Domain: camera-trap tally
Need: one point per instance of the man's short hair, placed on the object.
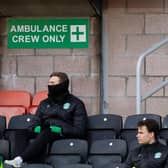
(151, 125)
(62, 76)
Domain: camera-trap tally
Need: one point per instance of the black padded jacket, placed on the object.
(148, 156)
(70, 115)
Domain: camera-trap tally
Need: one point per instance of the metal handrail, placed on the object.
(139, 98)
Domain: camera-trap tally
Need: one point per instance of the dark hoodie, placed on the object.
(64, 110)
(148, 156)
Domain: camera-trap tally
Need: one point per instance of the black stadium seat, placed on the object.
(27, 122)
(132, 120)
(2, 125)
(19, 132)
(2, 122)
(4, 148)
(163, 133)
(67, 151)
(129, 131)
(115, 165)
(103, 126)
(77, 166)
(129, 135)
(4, 144)
(165, 122)
(37, 166)
(104, 153)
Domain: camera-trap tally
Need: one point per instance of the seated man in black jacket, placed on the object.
(62, 115)
(150, 153)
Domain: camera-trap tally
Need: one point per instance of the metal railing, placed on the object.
(139, 97)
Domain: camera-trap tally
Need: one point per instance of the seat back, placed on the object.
(76, 166)
(129, 131)
(4, 148)
(132, 120)
(10, 111)
(27, 121)
(32, 110)
(38, 97)
(15, 98)
(163, 134)
(105, 152)
(36, 165)
(129, 135)
(103, 126)
(165, 122)
(2, 126)
(4, 144)
(116, 165)
(20, 131)
(68, 151)
(2, 122)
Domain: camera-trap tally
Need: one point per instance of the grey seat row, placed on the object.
(76, 153)
(102, 128)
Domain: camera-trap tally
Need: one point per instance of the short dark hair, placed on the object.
(151, 125)
(63, 76)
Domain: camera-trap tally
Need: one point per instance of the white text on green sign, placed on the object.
(48, 33)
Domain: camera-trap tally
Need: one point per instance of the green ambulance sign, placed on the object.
(48, 33)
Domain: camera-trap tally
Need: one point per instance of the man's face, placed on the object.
(144, 136)
(54, 80)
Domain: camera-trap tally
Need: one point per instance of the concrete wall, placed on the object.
(28, 69)
(133, 27)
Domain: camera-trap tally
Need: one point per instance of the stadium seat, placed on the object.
(15, 98)
(4, 148)
(163, 133)
(2, 126)
(9, 111)
(103, 126)
(27, 122)
(132, 120)
(77, 166)
(103, 153)
(129, 135)
(20, 131)
(31, 165)
(165, 122)
(2, 123)
(67, 151)
(37, 98)
(4, 144)
(14, 102)
(129, 131)
(115, 165)
(32, 110)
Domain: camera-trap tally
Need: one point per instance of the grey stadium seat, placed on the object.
(132, 120)
(77, 166)
(4, 144)
(19, 132)
(104, 126)
(104, 153)
(67, 151)
(129, 131)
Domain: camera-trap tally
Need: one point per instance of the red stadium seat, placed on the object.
(15, 98)
(9, 111)
(38, 97)
(32, 110)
